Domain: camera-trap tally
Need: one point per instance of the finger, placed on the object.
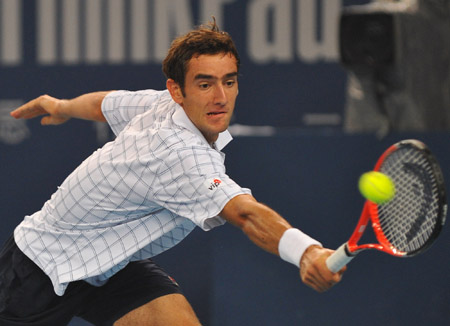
(42, 105)
(311, 279)
(337, 277)
(320, 286)
(330, 279)
(47, 120)
(319, 283)
(313, 284)
(27, 111)
(52, 120)
(19, 112)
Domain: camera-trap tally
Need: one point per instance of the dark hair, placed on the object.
(206, 39)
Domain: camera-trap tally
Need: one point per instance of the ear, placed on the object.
(175, 91)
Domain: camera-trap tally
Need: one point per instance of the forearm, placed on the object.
(273, 233)
(87, 107)
(56, 111)
(261, 224)
(267, 229)
(264, 227)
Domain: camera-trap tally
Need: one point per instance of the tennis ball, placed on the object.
(376, 187)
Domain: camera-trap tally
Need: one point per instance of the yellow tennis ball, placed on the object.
(376, 187)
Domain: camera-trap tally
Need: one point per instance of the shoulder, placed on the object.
(136, 98)
(182, 152)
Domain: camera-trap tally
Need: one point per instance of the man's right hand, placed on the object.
(314, 271)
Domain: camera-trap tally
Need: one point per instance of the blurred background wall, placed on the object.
(317, 105)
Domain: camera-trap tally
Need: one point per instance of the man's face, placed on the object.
(210, 92)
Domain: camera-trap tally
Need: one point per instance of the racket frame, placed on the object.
(351, 248)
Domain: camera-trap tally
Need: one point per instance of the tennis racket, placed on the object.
(409, 223)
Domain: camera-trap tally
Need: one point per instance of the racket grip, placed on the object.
(339, 259)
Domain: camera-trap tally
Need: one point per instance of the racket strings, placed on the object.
(409, 220)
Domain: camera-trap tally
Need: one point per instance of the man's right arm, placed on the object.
(266, 228)
(57, 111)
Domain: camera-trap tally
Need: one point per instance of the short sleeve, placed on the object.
(196, 187)
(201, 198)
(120, 107)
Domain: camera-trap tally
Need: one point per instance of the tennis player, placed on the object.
(88, 251)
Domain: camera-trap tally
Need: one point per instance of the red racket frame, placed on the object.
(370, 213)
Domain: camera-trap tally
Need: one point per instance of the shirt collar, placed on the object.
(180, 118)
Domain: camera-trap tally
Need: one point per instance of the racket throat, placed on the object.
(349, 253)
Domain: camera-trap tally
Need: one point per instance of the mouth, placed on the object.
(215, 113)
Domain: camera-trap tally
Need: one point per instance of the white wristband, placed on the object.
(293, 244)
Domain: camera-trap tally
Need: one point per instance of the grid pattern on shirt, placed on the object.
(133, 198)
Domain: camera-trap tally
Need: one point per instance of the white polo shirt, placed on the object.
(134, 198)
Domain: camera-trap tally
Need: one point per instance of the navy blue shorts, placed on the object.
(27, 296)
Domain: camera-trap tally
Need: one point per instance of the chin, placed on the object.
(223, 129)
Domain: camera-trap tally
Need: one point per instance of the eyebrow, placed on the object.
(204, 76)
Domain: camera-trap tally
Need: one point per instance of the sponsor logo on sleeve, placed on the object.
(213, 184)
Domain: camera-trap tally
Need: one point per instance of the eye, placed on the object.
(230, 83)
(203, 85)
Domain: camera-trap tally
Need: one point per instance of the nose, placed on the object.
(220, 96)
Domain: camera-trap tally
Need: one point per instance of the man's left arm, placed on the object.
(57, 111)
(266, 228)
